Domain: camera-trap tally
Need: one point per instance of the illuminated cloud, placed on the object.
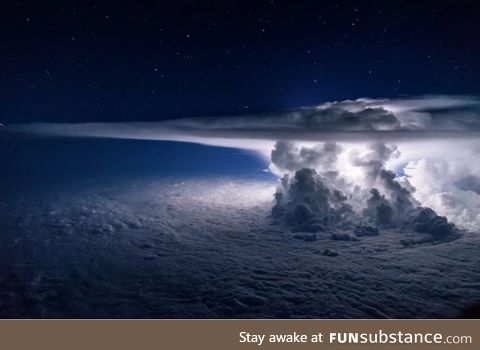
(316, 197)
(425, 117)
(386, 155)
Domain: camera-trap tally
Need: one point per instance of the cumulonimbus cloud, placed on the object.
(420, 136)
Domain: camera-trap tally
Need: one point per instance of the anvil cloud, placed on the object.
(350, 120)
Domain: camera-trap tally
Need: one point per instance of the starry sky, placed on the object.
(77, 61)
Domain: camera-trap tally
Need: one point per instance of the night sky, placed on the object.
(76, 61)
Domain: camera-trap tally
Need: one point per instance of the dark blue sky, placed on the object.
(123, 61)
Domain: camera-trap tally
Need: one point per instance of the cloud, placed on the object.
(286, 155)
(373, 161)
(431, 117)
(448, 187)
(309, 202)
(469, 183)
(320, 199)
(397, 147)
(427, 117)
(217, 255)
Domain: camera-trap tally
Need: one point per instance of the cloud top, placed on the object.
(356, 120)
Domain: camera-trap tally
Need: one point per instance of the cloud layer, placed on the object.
(171, 249)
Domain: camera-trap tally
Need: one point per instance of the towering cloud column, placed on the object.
(315, 196)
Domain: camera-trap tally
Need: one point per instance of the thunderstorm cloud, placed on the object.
(361, 164)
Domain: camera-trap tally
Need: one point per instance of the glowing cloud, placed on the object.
(418, 151)
(351, 120)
